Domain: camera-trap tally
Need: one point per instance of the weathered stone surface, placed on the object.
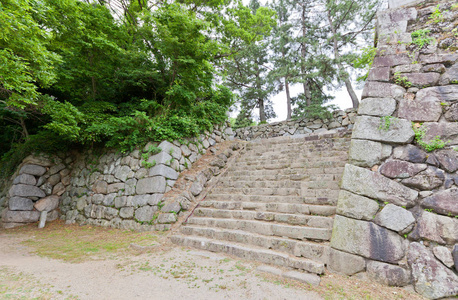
(126, 212)
(366, 239)
(139, 200)
(448, 58)
(446, 132)
(56, 168)
(161, 158)
(100, 187)
(32, 170)
(25, 179)
(9, 216)
(439, 93)
(423, 79)
(54, 179)
(356, 206)
(443, 202)
(307, 278)
(345, 263)
(410, 153)
(164, 171)
(185, 150)
(395, 218)
(170, 149)
(196, 188)
(368, 153)
(448, 160)
(23, 190)
(382, 90)
(379, 74)
(151, 185)
(122, 173)
(425, 109)
(391, 60)
(444, 255)
(431, 279)
(410, 68)
(167, 218)
(47, 204)
(455, 256)
(110, 212)
(401, 169)
(438, 68)
(58, 189)
(436, 228)
(368, 128)
(451, 76)
(429, 179)
(377, 107)
(145, 213)
(388, 274)
(18, 203)
(451, 114)
(399, 3)
(173, 206)
(373, 185)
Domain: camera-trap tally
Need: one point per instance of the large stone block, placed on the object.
(447, 58)
(395, 218)
(23, 190)
(420, 109)
(18, 203)
(165, 171)
(122, 173)
(368, 153)
(439, 93)
(32, 170)
(448, 160)
(443, 202)
(162, 158)
(367, 239)
(377, 107)
(423, 79)
(410, 153)
(370, 128)
(345, 263)
(151, 185)
(401, 169)
(399, 3)
(171, 149)
(446, 132)
(436, 228)
(145, 213)
(388, 274)
(391, 60)
(382, 90)
(25, 179)
(47, 204)
(431, 279)
(426, 180)
(444, 255)
(356, 206)
(379, 74)
(374, 185)
(20, 216)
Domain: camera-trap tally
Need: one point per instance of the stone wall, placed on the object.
(340, 120)
(105, 187)
(397, 214)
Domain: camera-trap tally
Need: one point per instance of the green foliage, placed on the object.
(315, 111)
(364, 61)
(437, 16)
(386, 122)
(434, 144)
(420, 37)
(401, 80)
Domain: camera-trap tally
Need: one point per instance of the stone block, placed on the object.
(439, 93)
(455, 256)
(377, 107)
(47, 204)
(151, 185)
(162, 158)
(436, 228)
(448, 160)
(431, 279)
(443, 202)
(379, 74)
(356, 206)
(145, 213)
(308, 278)
(167, 218)
(387, 274)
(450, 76)
(447, 58)
(58, 189)
(399, 3)
(54, 179)
(382, 90)
(165, 171)
(369, 128)
(426, 180)
(401, 169)
(420, 109)
(366, 239)
(446, 132)
(171, 149)
(410, 153)
(451, 114)
(444, 255)
(32, 170)
(365, 153)
(345, 263)
(19, 203)
(391, 60)
(56, 168)
(423, 79)
(395, 218)
(122, 173)
(374, 185)
(269, 270)
(126, 212)
(9, 216)
(25, 179)
(23, 190)
(173, 206)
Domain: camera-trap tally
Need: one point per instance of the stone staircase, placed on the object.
(275, 204)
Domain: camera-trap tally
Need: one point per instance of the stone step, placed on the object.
(258, 191)
(291, 219)
(266, 228)
(327, 180)
(244, 171)
(293, 164)
(291, 155)
(299, 148)
(228, 177)
(315, 197)
(287, 208)
(282, 141)
(318, 252)
(250, 253)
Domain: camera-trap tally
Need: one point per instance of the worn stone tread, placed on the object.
(312, 199)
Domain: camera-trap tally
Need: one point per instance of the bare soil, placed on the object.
(83, 262)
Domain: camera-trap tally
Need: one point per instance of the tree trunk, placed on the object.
(348, 85)
(262, 113)
(288, 99)
(307, 94)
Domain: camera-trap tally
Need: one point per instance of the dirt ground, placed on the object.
(82, 262)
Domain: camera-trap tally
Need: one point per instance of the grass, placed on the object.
(74, 243)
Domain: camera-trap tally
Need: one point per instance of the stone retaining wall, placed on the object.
(107, 188)
(397, 214)
(340, 120)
